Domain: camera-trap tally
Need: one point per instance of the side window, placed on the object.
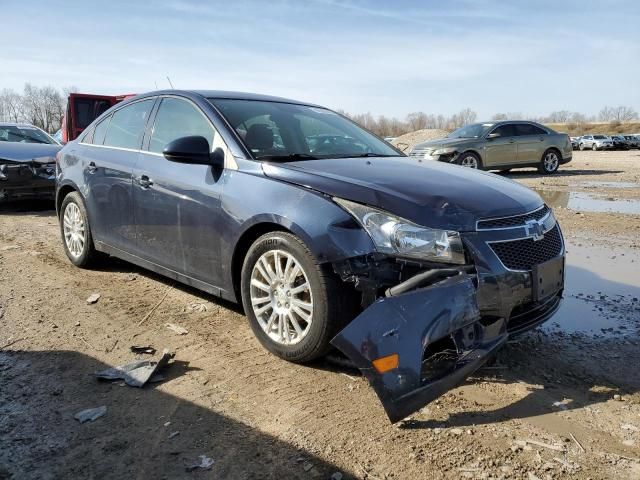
(127, 125)
(505, 130)
(99, 131)
(87, 136)
(178, 118)
(528, 129)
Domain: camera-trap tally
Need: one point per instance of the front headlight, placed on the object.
(397, 236)
(444, 151)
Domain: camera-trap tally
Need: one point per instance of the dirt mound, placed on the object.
(408, 140)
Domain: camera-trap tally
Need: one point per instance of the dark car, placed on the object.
(27, 162)
(328, 235)
(620, 142)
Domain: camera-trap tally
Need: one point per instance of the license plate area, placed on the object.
(548, 278)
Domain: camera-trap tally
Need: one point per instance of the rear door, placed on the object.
(177, 206)
(531, 141)
(501, 150)
(109, 154)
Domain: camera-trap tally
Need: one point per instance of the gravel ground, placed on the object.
(559, 402)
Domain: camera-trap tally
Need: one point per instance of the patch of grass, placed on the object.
(604, 128)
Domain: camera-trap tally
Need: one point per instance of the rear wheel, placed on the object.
(581, 147)
(594, 147)
(550, 162)
(75, 231)
(294, 305)
(470, 160)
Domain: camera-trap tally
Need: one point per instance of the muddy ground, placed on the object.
(560, 402)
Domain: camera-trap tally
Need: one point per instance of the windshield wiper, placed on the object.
(290, 156)
(362, 155)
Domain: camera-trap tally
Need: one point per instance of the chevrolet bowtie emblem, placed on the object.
(534, 229)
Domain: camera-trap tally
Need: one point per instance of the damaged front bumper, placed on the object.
(431, 338)
(27, 180)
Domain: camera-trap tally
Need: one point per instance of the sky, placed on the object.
(384, 57)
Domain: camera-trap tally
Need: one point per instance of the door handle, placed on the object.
(92, 167)
(144, 181)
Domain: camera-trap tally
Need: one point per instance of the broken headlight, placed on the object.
(397, 236)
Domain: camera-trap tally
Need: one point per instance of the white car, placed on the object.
(595, 142)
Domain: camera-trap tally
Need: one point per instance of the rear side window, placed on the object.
(99, 131)
(505, 130)
(528, 129)
(127, 125)
(178, 118)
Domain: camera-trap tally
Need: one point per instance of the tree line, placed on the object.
(44, 107)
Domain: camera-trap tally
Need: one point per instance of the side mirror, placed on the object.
(493, 135)
(194, 150)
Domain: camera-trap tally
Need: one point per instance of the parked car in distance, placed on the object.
(619, 142)
(27, 162)
(500, 146)
(418, 272)
(575, 142)
(633, 141)
(389, 139)
(595, 142)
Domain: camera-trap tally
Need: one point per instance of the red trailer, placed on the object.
(84, 108)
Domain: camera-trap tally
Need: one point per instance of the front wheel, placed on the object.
(594, 147)
(581, 147)
(470, 160)
(550, 162)
(75, 231)
(295, 306)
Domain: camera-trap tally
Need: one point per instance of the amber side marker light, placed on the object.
(384, 364)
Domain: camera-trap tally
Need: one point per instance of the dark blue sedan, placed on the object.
(416, 271)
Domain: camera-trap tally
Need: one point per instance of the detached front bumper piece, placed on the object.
(415, 346)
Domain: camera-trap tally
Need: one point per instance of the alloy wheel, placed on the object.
(551, 161)
(74, 230)
(469, 161)
(281, 297)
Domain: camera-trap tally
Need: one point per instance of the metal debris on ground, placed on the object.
(93, 298)
(173, 434)
(136, 374)
(196, 307)
(140, 349)
(205, 464)
(90, 414)
(177, 328)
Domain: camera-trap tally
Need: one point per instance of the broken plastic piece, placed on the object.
(136, 374)
(205, 464)
(90, 414)
(140, 349)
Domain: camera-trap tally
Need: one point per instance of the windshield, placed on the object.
(475, 130)
(289, 132)
(24, 134)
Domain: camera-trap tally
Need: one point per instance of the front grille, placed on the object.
(516, 221)
(525, 253)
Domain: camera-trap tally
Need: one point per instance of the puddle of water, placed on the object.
(602, 293)
(609, 185)
(588, 202)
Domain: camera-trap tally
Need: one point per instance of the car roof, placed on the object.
(223, 94)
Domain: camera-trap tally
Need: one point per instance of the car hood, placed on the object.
(445, 142)
(28, 152)
(436, 195)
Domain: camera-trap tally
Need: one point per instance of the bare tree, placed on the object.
(417, 120)
(10, 105)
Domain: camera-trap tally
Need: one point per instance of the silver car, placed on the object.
(595, 142)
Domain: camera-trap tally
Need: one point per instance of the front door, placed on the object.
(176, 205)
(501, 150)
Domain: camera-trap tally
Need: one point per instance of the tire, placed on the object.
(550, 161)
(470, 160)
(274, 327)
(581, 147)
(76, 232)
(594, 147)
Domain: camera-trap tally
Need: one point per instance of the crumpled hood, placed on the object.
(444, 142)
(27, 152)
(436, 195)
